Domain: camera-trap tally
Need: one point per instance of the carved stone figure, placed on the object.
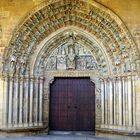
(71, 55)
(81, 63)
(52, 63)
(61, 62)
(13, 63)
(23, 69)
(91, 64)
(127, 66)
(71, 61)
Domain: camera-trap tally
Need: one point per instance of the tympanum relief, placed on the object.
(70, 56)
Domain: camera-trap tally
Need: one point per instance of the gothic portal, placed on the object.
(69, 40)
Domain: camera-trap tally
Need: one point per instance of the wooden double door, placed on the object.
(72, 104)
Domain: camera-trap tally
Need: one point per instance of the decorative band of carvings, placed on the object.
(70, 73)
(107, 28)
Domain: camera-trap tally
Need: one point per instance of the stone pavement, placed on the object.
(72, 137)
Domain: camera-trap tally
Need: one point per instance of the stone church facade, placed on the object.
(71, 39)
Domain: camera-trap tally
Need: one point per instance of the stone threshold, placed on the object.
(118, 132)
(71, 133)
(22, 129)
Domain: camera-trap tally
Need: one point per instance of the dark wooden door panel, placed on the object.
(72, 104)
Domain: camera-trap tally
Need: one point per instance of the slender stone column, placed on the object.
(126, 102)
(124, 105)
(46, 100)
(103, 101)
(134, 100)
(31, 101)
(115, 104)
(5, 100)
(11, 87)
(21, 101)
(106, 102)
(117, 96)
(16, 100)
(120, 100)
(111, 101)
(40, 100)
(36, 101)
(27, 92)
(130, 101)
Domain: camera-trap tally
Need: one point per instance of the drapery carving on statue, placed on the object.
(133, 66)
(22, 66)
(81, 63)
(16, 65)
(61, 62)
(42, 71)
(122, 66)
(13, 62)
(91, 63)
(71, 61)
(127, 66)
(71, 55)
(52, 63)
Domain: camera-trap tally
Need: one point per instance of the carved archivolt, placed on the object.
(66, 50)
(105, 26)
